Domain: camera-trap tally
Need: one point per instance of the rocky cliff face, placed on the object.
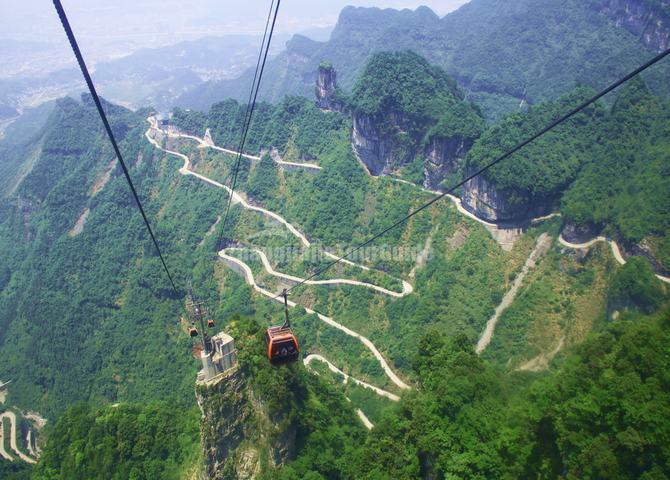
(385, 142)
(326, 84)
(650, 20)
(492, 204)
(444, 156)
(375, 149)
(579, 233)
(240, 437)
(645, 249)
(383, 146)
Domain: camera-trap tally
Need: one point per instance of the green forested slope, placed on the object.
(600, 415)
(127, 441)
(607, 167)
(468, 421)
(426, 101)
(624, 186)
(292, 122)
(91, 315)
(546, 167)
(162, 440)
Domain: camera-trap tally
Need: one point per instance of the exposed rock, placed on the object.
(26, 207)
(79, 224)
(373, 148)
(647, 20)
(382, 141)
(579, 233)
(486, 201)
(384, 151)
(444, 156)
(644, 249)
(236, 429)
(326, 84)
(102, 180)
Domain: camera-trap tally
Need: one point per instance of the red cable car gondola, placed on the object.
(280, 342)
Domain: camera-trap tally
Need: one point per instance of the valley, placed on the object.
(249, 277)
(513, 327)
(544, 242)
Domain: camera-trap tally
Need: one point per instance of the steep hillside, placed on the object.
(606, 168)
(86, 313)
(82, 305)
(465, 420)
(16, 144)
(623, 188)
(402, 107)
(154, 440)
(501, 53)
(530, 185)
(648, 19)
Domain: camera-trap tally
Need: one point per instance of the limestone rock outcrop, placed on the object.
(240, 437)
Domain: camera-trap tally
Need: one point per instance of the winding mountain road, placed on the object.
(407, 287)
(616, 251)
(11, 416)
(383, 393)
(366, 421)
(3, 453)
(613, 245)
(244, 269)
(208, 143)
(241, 267)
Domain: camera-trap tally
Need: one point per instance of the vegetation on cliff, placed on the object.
(14, 470)
(91, 312)
(606, 167)
(414, 101)
(625, 182)
(548, 165)
(294, 121)
(467, 420)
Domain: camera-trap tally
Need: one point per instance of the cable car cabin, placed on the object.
(193, 332)
(210, 323)
(281, 344)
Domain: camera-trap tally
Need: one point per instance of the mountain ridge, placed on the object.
(499, 62)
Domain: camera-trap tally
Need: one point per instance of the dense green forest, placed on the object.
(606, 167)
(84, 301)
(598, 415)
(624, 184)
(295, 121)
(547, 166)
(413, 102)
(14, 470)
(126, 441)
(99, 293)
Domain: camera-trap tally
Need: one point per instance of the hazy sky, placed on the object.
(157, 21)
